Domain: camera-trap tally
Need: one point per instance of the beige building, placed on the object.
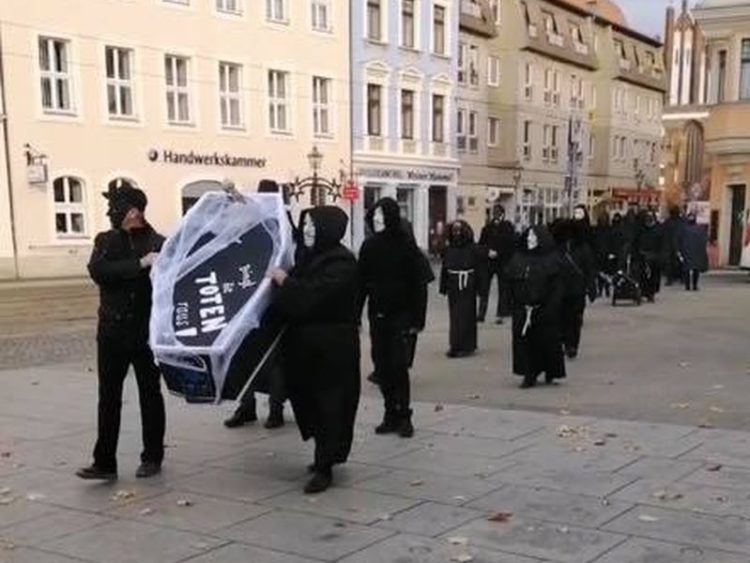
(173, 96)
(725, 118)
(578, 106)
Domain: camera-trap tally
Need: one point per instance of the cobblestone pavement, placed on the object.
(474, 484)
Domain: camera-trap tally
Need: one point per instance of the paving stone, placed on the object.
(428, 486)
(722, 446)
(470, 445)
(405, 548)
(638, 550)
(573, 456)
(304, 534)
(565, 544)
(487, 424)
(233, 485)
(204, 515)
(446, 463)
(726, 476)
(352, 505)
(31, 555)
(651, 467)
(724, 533)
(552, 506)
(54, 524)
(536, 476)
(430, 519)
(20, 509)
(238, 553)
(665, 440)
(130, 542)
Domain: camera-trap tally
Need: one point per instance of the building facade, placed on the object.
(173, 96)
(403, 100)
(725, 25)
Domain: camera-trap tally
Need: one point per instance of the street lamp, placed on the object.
(517, 173)
(315, 158)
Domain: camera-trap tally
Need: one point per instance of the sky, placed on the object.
(647, 16)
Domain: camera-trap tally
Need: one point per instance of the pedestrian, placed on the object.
(498, 239)
(578, 275)
(393, 284)
(536, 292)
(693, 242)
(270, 379)
(120, 264)
(460, 281)
(671, 259)
(318, 301)
(650, 246)
(604, 254)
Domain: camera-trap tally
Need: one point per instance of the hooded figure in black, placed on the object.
(318, 301)
(578, 273)
(650, 246)
(498, 239)
(693, 252)
(672, 231)
(120, 265)
(460, 280)
(394, 284)
(534, 274)
(604, 254)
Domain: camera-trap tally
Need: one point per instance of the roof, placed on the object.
(605, 9)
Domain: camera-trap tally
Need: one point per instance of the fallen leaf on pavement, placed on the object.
(680, 405)
(684, 364)
(417, 483)
(122, 495)
(667, 496)
(647, 518)
(458, 540)
(5, 501)
(563, 529)
(722, 499)
(611, 435)
(5, 454)
(500, 517)
(716, 409)
(462, 558)
(439, 408)
(7, 545)
(600, 442)
(460, 498)
(5, 491)
(146, 511)
(385, 517)
(717, 387)
(473, 396)
(564, 412)
(184, 502)
(34, 497)
(706, 425)
(714, 467)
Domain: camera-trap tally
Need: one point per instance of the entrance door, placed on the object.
(737, 224)
(438, 216)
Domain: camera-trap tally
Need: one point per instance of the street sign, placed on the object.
(351, 192)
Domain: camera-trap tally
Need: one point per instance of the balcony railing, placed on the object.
(581, 48)
(556, 39)
(471, 9)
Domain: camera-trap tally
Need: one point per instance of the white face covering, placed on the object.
(308, 232)
(532, 241)
(378, 221)
(579, 215)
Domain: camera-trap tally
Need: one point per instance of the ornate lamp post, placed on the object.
(315, 158)
(318, 187)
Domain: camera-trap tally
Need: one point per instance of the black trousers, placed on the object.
(114, 359)
(276, 394)
(652, 278)
(691, 279)
(503, 295)
(571, 321)
(392, 354)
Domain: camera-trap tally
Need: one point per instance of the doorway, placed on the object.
(438, 215)
(737, 224)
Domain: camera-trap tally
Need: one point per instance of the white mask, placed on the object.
(532, 241)
(308, 232)
(378, 221)
(579, 215)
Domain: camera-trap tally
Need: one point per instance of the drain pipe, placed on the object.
(6, 145)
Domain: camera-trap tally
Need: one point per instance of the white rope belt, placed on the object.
(463, 277)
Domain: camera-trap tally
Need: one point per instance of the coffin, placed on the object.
(209, 329)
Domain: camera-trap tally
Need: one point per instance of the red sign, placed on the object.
(351, 192)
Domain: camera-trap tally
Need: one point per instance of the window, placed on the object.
(278, 101)
(374, 110)
(527, 140)
(374, 20)
(178, 93)
(183, 2)
(496, 11)
(493, 71)
(461, 130)
(405, 200)
(438, 30)
(592, 146)
(592, 98)
(322, 106)
(56, 79)
(550, 25)
(230, 97)
(546, 133)
(554, 153)
(556, 88)
(474, 65)
(321, 17)
(438, 118)
(463, 49)
(69, 206)
(547, 86)
(493, 131)
(528, 90)
(745, 70)
(276, 11)
(407, 23)
(721, 93)
(575, 33)
(407, 114)
(119, 64)
(473, 133)
(228, 6)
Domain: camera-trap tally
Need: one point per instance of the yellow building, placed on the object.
(173, 96)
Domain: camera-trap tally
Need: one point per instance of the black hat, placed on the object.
(126, 197)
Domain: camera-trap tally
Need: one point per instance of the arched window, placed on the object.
(192, 192)
(70, 208)
(121, 183)
(694, 154)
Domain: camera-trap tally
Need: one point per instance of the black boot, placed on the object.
(529, 381)
(241, 416)
(390, 424)
(321, 480)
(405, 427)
(275, 416)
(95, 473)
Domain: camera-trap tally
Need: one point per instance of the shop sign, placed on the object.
(193, 158)
(408, 174)
(350, 192)
(36, 173)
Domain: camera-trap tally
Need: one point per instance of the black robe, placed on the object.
(460, 280)
(536, 294)
(321, 348)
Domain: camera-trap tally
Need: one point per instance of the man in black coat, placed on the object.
(693, 251)
(498, 239)
(393, 283)
(120, 265)
(650, 246)
(671, 253)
